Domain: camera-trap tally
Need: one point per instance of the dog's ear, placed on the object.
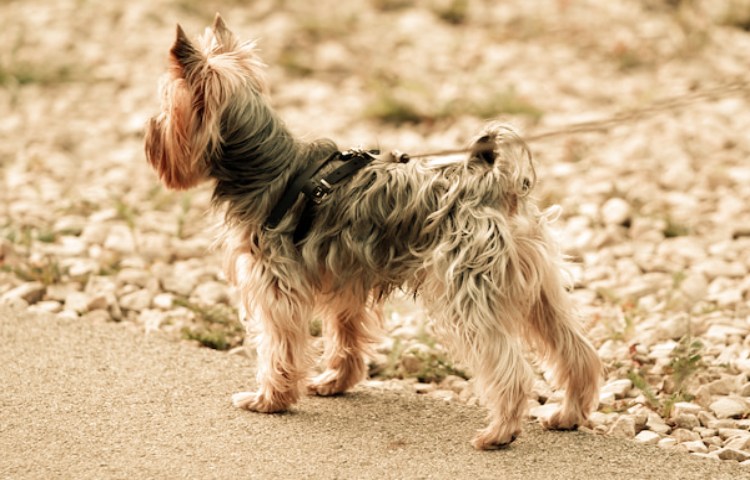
(184, 56)
(226, 39)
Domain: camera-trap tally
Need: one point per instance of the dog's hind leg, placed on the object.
(280, 317)
(554, 329)
(481, 333)
(349, 328)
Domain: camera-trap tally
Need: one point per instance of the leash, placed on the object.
(736, 86)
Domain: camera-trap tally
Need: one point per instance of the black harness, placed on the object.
(316, 186)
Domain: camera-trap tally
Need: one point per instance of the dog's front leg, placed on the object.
(350, 327)
(280, 321)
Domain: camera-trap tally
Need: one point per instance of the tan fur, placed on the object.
(465, 236)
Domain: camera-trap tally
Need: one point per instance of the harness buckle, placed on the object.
(320, 191)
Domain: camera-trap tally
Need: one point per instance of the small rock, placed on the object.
(686, 420)
(696, 446)
(681, 408)
(615, 211)
(683, 435)
(731, 454)
(50, 306)
(29, 292)
(96, 316)
(60, 291)
(164, 301)
(423, 388)
(120, 239)
(445, 395)
(544, 411)
(723, 386)
(77, 302)
(133, 276)
(138, 300)
(647, 437)
(739, 442)
(624, 427)
(728, 407)
(618, 387)
(210, 293)
(667, 442)
(151, 319)
(706, 418)
(656, 424)
(607, 399)
(727, 433)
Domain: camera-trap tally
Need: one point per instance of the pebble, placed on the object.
(647, 437)
(617, 387)
(624, 427)
(615, 211)
(696, 446)
(137, 300)
(731, 454)
(727, 407)
(30, 293)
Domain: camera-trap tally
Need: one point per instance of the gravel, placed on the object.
(655, 210)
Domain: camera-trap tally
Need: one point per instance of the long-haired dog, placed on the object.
(464, 236)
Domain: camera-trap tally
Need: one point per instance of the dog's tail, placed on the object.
(500, 147)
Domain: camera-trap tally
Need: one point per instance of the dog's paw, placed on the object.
(327, 384)
(492, 438)
(256, 402)
(562, 420)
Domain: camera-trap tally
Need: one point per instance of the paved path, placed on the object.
(104, 401)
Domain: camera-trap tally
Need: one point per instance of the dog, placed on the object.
(464, 236)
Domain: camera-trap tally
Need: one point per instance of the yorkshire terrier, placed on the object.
(464, 236)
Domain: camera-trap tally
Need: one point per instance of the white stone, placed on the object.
(444, 395)
(50, 306)
(77, 302)
(120, 239)
(544, 411)
(210, 293)
(618, 387)
(647, 437)
(723, 386)
(667, 442)
(683, 435)
(29, 292)
(738, 442)
(615, 211)
(696, 446)
(607, 399)
(138, 300)
(728, 407)
(133, 276)
(681, 408)
(656, 424)
(732, 454)
(164, 301)
(623, 427)
(686, 420)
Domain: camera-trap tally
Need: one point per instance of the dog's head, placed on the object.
(203, 80)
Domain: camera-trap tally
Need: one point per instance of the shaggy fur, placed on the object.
(464, 236)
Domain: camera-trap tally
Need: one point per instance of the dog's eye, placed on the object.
(526, 184)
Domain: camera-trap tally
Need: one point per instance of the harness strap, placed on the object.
(293, 190)
(317, 187)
